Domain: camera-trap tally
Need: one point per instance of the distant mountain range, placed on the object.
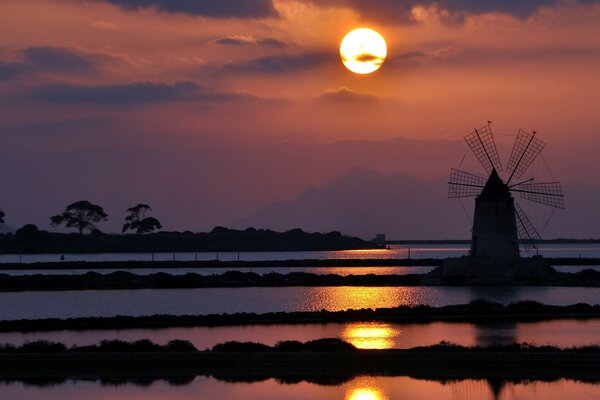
(363, 202)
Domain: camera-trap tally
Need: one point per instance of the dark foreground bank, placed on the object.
(342, 362)
(161, 280)
(475, 311)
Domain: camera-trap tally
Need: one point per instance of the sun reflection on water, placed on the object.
(366, 389)
(370, 335)
(357, 297)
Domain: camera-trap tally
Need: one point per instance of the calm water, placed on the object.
(361, 388)
(382, 270)
(64, 304)
(403, 270)
(364, 335)
(395, 251)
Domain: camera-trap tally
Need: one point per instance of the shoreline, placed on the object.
(303, 263)
(312, 366)
(124, 280)
(476, 311)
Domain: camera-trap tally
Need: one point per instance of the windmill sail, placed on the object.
(548, 193)
(483, 146)
(525, 230)
(525, 150)
(464, 184)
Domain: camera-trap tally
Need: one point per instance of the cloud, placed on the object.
(402, 10)
(250, 41)
(131, 94)
(279, 64)
(271, 42)
(206, 8)
(105, 25)
(235, 41)
(368, 57)
(345, 95)
(58, 59)
(10, 70)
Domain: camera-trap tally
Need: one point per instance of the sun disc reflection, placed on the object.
(367, 392)
(370, 335)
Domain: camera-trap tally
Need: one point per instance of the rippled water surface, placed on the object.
(64, 304)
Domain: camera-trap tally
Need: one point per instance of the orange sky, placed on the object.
(120, 76)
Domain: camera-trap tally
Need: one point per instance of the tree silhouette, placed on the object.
(138, 221)
(81, 215)
(2, 216)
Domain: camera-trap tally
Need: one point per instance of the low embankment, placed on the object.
(161, 280)
(294, 360)
(475, 311)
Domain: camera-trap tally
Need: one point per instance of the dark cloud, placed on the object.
(207, 8)
(130, 94)
(345, 95)
(11, 70)
(249, 41)
(279, 64)
(271, 42)
(400, 10)
(235, 41)
(367, 57)
(58, 59)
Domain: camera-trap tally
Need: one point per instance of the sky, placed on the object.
(210, 111)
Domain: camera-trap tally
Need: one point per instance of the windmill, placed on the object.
(499, 222)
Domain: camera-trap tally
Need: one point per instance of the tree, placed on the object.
(81, 215)
(139, 221)
(2, 216)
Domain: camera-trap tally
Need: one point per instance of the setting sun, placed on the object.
(363, 51)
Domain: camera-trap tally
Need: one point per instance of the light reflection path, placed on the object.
(68, 304)
(361, 388)
(371, 335)
(365, 388)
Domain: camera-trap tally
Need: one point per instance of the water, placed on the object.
(360, 388)
(80, 303)
(364, 335)
(381, 270)
(395, 251)
(402, 270)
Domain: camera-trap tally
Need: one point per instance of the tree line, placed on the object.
(83, 216)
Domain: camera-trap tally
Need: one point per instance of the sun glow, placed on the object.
(370, 335)
(363, 51)
(365, 394)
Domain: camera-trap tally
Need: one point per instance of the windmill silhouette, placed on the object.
(499, 222)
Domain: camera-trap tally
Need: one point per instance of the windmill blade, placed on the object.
(525, 230)
(464, 184)
(483, 146)
(548, 193)
(525, 150)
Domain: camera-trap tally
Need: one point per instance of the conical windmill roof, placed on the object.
(494, 187)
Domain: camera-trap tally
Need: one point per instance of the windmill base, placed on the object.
(499, 269)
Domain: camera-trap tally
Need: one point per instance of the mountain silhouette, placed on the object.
(363, 202)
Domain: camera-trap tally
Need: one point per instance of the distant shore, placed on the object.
(342, 262)
(475, 311)
(34, 241)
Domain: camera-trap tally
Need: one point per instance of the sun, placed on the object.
(363, 50)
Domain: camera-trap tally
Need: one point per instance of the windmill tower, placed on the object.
(499, 222)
